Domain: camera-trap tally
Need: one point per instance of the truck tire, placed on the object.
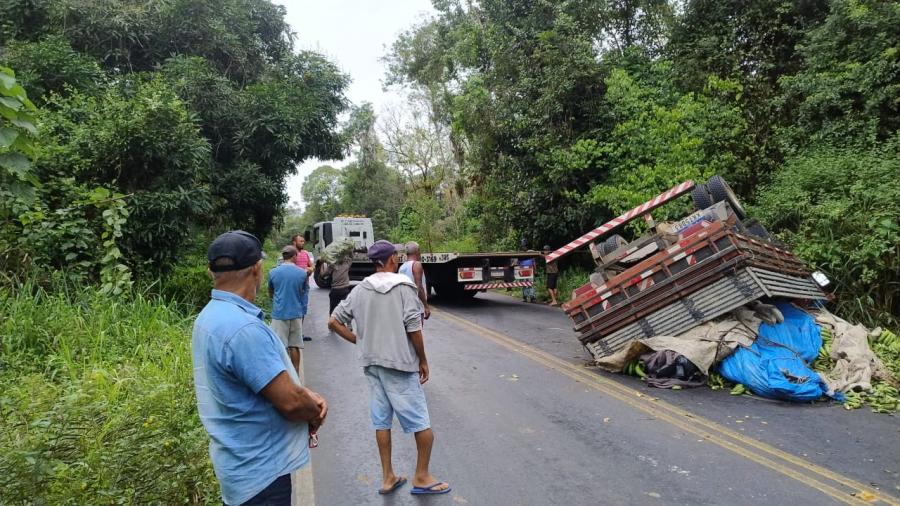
(611, 244)
(721, 192)
(700, 196)
(322, 281)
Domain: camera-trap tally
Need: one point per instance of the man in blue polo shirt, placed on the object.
(287, 288)
(249, 396)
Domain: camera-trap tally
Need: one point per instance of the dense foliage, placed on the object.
(191, 113)
(563, 114)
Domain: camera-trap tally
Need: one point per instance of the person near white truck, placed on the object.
(451, 275)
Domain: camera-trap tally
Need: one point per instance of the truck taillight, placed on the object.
(468, 274)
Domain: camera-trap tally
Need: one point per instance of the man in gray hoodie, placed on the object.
(388, 335)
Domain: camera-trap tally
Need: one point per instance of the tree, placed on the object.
(321, 192)
(51, 65)
(661, 138)
(524, 80)
(419, 144)
(847, 89)
(143, 143)
(261, 107)
(753, 43)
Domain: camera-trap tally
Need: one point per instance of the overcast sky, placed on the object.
(354, 34)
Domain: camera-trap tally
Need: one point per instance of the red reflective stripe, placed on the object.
(487, 286)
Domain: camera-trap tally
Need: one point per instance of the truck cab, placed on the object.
(357, 228)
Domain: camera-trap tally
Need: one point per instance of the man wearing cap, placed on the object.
(388, 337)
(287, 289)
(249, 396)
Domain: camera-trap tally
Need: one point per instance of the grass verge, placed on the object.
(98, 401)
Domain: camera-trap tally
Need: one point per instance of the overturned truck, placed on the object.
(683, 273)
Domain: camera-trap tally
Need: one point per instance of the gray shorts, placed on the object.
(290, 332)
(394, 392)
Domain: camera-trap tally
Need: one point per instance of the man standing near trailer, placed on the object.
(412, 268)
(552, 269)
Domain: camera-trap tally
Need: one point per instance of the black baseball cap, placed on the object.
(242, 248)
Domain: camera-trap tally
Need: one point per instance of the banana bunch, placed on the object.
(739, 389)
(883, 398)
(853, 400)
(715, 381)
(635, 368)
(824, 363)
(887, 347)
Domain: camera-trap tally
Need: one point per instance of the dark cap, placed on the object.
(289, 250)
(381, 251)
(546, 247)
(242, 248)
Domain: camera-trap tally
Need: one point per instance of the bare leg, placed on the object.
(388, 478)
(294, 353)
(422, 478)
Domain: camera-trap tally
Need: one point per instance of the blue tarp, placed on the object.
(775, 366)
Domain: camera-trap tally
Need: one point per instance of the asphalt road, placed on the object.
(520, 420)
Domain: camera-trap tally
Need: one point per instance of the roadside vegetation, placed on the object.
(98, 404)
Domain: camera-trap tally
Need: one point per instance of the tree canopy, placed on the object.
(194, 112)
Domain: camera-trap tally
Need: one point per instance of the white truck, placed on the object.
(451, 275)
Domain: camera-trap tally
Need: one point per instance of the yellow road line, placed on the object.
(687, 421)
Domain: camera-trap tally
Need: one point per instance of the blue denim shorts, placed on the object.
(399, 392)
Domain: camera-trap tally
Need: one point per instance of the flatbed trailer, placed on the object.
(450, 274)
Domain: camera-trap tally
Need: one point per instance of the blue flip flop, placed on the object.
(397, 484)
(429, 490)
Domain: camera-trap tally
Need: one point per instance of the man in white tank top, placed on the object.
(412, 268)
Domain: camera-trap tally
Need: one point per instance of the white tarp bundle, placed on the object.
(855, 363)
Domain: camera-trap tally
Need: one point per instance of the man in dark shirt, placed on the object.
(552, 277)
(340, 281)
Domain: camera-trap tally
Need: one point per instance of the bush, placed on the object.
(98, 403)
(188, 284)
(837, 208)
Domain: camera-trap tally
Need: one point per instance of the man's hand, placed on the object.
(294, 402)
(323, 410)
(423, 372)
(427, 313)
(341, 330)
